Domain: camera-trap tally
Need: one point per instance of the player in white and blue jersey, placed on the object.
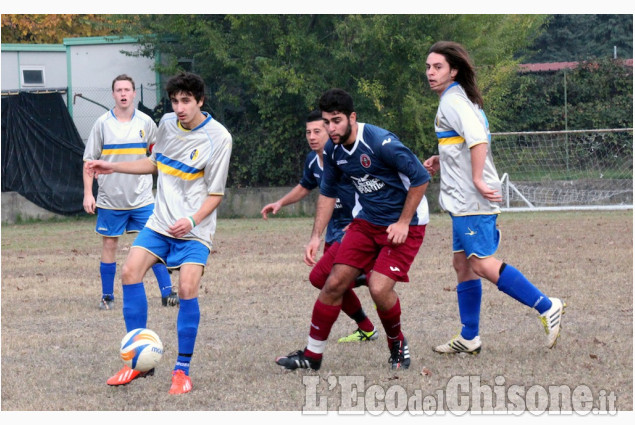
(191, 157)
(470, 193)
(124, 201)
(345, 209)
(390, 182)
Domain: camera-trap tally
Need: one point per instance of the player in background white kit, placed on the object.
(191, 156)
(124, 201)
(470, 193)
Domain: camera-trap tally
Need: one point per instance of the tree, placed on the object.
(583, 37)
(52, 29)
(266, 72)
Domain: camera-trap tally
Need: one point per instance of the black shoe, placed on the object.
(361, 281)
(106, 303)
(399, 355)
(170, 300)
(297, 359)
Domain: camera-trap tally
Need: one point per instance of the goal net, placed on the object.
(560, 170)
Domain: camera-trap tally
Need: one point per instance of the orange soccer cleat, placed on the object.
(181, 383)
(127, 374)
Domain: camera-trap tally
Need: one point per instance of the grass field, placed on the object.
(58, 349)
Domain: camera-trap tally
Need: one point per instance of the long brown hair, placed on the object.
(459, 59)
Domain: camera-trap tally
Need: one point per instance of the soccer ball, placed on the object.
(141, 349)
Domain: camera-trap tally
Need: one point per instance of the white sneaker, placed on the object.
(458, 344)
(551, 320)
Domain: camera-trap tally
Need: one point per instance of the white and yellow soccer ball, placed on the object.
(141, 349)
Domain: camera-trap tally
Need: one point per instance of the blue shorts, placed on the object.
(114, 223)
(475, 235)
(171, 251)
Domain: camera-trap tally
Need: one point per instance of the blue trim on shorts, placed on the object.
(171, 251)
(475, 235)
(114, 223)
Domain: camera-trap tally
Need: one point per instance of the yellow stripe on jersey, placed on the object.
(128, 151)
(457, 140)
(166, 169)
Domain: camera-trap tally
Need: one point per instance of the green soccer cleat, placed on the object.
(360, 335)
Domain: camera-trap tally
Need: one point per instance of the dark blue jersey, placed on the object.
(381, 169)
(346, 198)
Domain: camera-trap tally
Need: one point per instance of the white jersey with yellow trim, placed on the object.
(116, 141)
(192, 164)
(461, 125)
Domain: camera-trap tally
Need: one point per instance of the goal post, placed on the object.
(565, 170)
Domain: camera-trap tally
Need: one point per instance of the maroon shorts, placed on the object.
(322, 269)
(365, 243)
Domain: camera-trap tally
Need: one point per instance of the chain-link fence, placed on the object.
(88, 103)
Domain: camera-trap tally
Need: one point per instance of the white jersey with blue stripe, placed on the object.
(346, 205)
(115, 141)
(191, 164)
(381, 169)
(461, 125)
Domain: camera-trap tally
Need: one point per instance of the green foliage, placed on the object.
(599, 95)
(584, 37)
(265, 73)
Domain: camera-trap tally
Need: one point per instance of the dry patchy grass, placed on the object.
(58, 349)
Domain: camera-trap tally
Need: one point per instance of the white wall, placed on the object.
(54, 64)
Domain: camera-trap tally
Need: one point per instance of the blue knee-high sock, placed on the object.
(515, 284)
(186, 329)
(469, 295)
(163, 277)
(135, 306)
(107, 272)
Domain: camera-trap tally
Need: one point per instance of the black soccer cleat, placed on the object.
(297, 360)
(170, 300)
(399, 355)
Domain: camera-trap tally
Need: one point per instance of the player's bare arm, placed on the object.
(140, 166)
(478, 154)
(89, 199)
(432, 165)
(323, 213)
(398, 232)
(294, 195)
(184, 225)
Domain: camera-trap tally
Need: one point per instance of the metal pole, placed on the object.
(566, 123)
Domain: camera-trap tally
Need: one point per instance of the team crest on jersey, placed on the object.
(364, 160)
(194, 155)
(141, 133)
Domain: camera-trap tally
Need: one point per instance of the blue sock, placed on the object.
(163, 277)
(135, 306)
(107, 272)
(515, 284)
(186, 329)
(469, 295)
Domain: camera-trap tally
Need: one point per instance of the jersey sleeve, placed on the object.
(398, 156)
(308, 180)
(218, 167)
(151, 131)
(331, 174)
(463, 119)
(95, 142)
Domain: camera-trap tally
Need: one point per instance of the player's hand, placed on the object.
(96, 167)
(432, 165)
(397, 233)
(311, 250)
(182, 227)
(487, 192)
(89, 204)
(270, 208)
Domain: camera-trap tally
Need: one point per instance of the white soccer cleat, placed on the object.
(458, 344)
(551, 320)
